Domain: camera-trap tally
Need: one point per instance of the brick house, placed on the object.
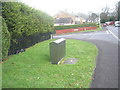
(64, 18)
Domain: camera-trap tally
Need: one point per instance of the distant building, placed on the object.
(63, 21)
(64, 18)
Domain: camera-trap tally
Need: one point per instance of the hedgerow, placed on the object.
(25, 24)
(5, 39)
(74, 26)
(24, 20)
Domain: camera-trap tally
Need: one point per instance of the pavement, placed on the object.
(106, 71)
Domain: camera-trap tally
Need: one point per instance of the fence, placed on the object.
(26, 41)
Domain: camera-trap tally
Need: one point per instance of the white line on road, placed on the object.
(107, 32)
(113, 34)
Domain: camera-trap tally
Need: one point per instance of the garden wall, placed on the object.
(75, 29)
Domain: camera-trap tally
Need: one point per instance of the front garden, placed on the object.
(32, 68)
(27, 29)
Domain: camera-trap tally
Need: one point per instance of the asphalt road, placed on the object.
(104, 35)
(106, 71)
(114, 30)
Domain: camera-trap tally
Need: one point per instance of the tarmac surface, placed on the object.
(106, 71)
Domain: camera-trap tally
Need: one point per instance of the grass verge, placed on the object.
(32, 68)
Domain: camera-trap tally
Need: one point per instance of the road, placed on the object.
(114, 31)
(104, 35)
(106, 71)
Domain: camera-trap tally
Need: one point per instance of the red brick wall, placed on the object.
(75, 29)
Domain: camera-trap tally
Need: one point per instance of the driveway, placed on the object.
(106, 71)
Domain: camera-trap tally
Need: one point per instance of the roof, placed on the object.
(63, 20)
(62, 14)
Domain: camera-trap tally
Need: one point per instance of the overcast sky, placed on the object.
(84, 6)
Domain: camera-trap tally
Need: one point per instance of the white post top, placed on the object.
(59, 40)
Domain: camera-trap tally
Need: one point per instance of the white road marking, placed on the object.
(113, 34)
(107, 32)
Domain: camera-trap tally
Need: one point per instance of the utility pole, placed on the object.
(99, 17)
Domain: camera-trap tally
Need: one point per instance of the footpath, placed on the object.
(106, 72)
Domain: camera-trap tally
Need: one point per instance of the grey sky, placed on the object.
(83, 6)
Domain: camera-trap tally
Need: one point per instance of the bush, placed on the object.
(24, 24)
(5, 39)
(74, 26)
(24, 20)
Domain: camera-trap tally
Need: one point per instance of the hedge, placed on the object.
(25, 23)
(5, 39)
(74, 26)
(24, 20)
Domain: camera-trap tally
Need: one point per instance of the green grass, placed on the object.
(32, 68)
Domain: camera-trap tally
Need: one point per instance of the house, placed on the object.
(63, 21)
(65, 18)
(79, 20)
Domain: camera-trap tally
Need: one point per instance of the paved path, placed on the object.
(106, 72)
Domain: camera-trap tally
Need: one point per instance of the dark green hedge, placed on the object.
(24, 24)
(74, 26)
(5, 39)
(24, 20)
